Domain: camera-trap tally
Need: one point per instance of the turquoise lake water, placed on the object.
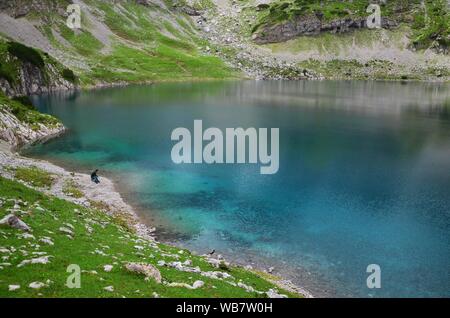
(364, 175)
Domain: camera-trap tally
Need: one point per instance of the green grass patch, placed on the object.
(163, 63)
(72, 189)
(9, 66)
(131, 24)
(83, 41)
(35, 176)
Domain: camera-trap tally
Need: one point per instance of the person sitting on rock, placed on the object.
(94, 177)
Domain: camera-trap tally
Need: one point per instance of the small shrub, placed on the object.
(26, 101)
(69, 75)
(6, 75)
(25, 54)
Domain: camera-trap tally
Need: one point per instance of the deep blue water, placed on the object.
(364, 175)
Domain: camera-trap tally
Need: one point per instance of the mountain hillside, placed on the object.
(127, 41)
(120, 41)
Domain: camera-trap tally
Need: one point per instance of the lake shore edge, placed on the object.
(107, 198)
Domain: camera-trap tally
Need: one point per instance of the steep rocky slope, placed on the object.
(26, 71)
(21, 124)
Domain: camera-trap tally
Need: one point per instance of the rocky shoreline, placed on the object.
(105, 196)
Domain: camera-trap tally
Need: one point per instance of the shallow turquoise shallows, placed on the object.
(364, 176)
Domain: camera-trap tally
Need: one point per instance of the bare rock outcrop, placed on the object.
(149, 271)
(311, 25)
(35, 80)
(17, 133)
(13, 221)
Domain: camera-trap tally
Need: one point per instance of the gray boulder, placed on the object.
(13, 221)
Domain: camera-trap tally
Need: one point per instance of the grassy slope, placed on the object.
(110, 236)
(143, 48)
